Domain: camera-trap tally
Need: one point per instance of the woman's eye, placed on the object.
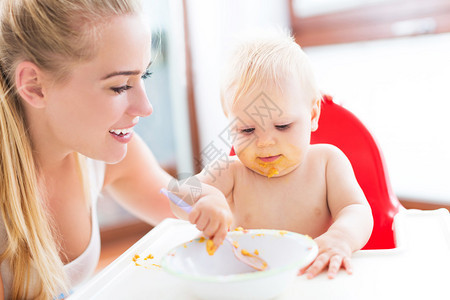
(283, 127)
(121, 89)
(247, 130)
(147, 74)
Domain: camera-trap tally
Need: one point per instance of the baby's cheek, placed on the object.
(247, 157)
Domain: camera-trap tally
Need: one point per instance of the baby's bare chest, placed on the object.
(291, 203)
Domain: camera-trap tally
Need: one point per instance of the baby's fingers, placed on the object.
(302, 271)
(220, 234)
(201, 221)
(335, 265)
(318, 265)
(347, 265)
(193, 216)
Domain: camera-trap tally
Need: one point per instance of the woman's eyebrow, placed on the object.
(125, 73)
(121, 73)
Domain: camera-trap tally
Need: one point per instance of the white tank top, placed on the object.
(84, 265)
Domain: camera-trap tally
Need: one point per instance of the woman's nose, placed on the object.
(141, 105)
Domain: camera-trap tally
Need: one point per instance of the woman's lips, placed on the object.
(268, 159)
(122, 135)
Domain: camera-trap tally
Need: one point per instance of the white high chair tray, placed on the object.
(417, 269)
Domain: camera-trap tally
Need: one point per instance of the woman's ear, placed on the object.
(29, 80)
(315, 114)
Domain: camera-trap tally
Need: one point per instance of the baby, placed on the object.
(279, 180)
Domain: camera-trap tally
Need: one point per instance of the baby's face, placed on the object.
(271, 128)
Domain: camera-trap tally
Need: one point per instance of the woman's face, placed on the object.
(95, 110)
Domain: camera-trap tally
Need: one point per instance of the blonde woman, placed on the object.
(71, 91)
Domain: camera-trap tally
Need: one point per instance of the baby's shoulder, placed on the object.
(331, 156)
(222, 166)
(325, 151)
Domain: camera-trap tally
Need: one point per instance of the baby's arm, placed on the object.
(220, 175)
(352, 218)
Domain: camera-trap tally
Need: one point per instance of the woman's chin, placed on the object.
(115, 158)
(112, 157)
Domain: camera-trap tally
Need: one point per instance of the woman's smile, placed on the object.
(122, 135)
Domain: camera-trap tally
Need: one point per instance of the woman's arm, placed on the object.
(136, 181)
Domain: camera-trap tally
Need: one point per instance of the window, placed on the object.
(355, 20)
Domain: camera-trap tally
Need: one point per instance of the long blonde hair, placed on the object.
(54, 35)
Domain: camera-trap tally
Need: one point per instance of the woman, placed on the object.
(71, 93)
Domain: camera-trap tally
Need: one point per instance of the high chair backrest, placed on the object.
(339, 127)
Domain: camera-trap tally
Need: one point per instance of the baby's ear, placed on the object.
(29, 84)
(315, 114)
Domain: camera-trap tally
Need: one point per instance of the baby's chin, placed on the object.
(274, 170)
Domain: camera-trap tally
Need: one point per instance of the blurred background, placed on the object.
(387, 61)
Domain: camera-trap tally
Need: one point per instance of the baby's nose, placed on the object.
(265, 140)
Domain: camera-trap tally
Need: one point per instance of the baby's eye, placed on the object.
(247, 130)
(121, 89)
(147, 74)
(283, 127)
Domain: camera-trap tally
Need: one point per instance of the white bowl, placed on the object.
(222, 276)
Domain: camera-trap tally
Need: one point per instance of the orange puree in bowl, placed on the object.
(245, 252)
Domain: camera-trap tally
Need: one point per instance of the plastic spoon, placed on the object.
(249, 259)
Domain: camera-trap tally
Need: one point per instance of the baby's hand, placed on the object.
(212, 215)
(334, 253)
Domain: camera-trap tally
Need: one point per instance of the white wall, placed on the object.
(400, 89)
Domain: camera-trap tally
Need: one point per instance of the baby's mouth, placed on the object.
(269, 159)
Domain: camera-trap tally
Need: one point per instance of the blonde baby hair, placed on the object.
(263, 58)
(55, 35)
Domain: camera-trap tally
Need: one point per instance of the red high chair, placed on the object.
(339, 127)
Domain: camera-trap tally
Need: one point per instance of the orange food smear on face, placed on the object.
(272, 172)
(210, 247)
